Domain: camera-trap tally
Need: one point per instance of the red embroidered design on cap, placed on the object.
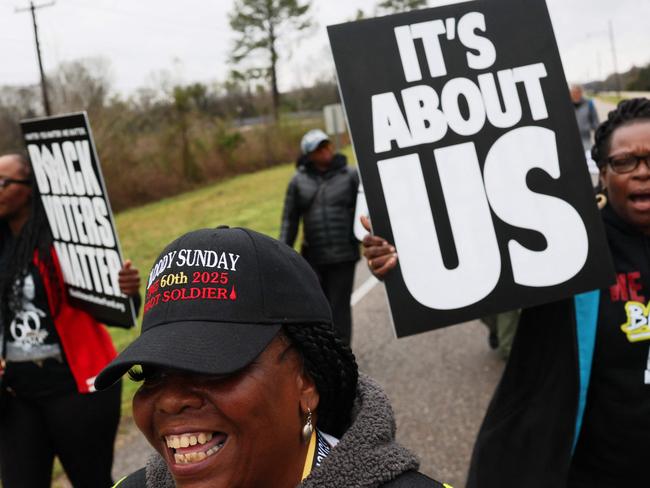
(169, 281)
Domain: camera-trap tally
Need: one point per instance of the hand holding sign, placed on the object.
(129, 279)
(380, 254)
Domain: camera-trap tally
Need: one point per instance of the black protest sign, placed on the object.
(67, 172)
(471, 160)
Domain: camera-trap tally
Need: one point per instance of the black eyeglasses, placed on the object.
(5, 182)
(626, 163)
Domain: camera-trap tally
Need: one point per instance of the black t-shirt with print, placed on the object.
(615, 432)
(36, 365)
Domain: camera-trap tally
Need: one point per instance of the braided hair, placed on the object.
(332, 366)
(627, 112)
(35, 236)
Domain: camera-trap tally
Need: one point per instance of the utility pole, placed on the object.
(33, 8)
(618, 76)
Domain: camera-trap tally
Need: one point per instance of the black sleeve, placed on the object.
(290, 215)
(536, 399)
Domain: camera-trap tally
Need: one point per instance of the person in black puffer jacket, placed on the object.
(323, 192)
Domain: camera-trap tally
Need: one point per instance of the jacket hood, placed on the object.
(366, 456)
(338, 161)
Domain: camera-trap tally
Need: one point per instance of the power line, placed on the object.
(33, 8)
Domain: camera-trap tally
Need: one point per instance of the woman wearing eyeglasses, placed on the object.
(50, 353)
(573, 406)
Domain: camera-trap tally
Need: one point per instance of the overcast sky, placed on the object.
(191, 38)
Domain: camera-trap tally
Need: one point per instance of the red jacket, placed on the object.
(86, 343)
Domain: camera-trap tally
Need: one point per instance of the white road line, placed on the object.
(363, 290)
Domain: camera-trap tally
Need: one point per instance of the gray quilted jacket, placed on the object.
(326, 203)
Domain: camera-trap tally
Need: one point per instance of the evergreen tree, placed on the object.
(395, 6)
(259, 24)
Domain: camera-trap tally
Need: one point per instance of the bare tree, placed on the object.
(16, 103)
(82, 84)
(259, 25)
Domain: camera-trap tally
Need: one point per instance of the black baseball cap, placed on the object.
(215, 299)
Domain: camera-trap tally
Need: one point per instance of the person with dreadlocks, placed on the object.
(573, 406)
(245, 383)
(50, 353)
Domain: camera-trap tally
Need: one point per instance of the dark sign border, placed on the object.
(102, 313)
(368, 63)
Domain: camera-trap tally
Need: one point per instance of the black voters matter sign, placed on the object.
(471, 160)
(69, 178)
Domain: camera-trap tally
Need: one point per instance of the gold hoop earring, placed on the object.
(308, 428)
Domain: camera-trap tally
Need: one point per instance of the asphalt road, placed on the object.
(439, 383)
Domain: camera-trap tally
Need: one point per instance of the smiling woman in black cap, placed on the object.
(245, 384)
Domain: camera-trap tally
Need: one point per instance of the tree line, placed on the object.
(166, 138)
(637, 78)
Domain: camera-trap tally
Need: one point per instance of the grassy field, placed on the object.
(253, 201)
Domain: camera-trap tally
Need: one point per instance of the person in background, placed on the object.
(587, 118)
(255, 390)
(586, 115)
(323, 193)
(50, 353)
